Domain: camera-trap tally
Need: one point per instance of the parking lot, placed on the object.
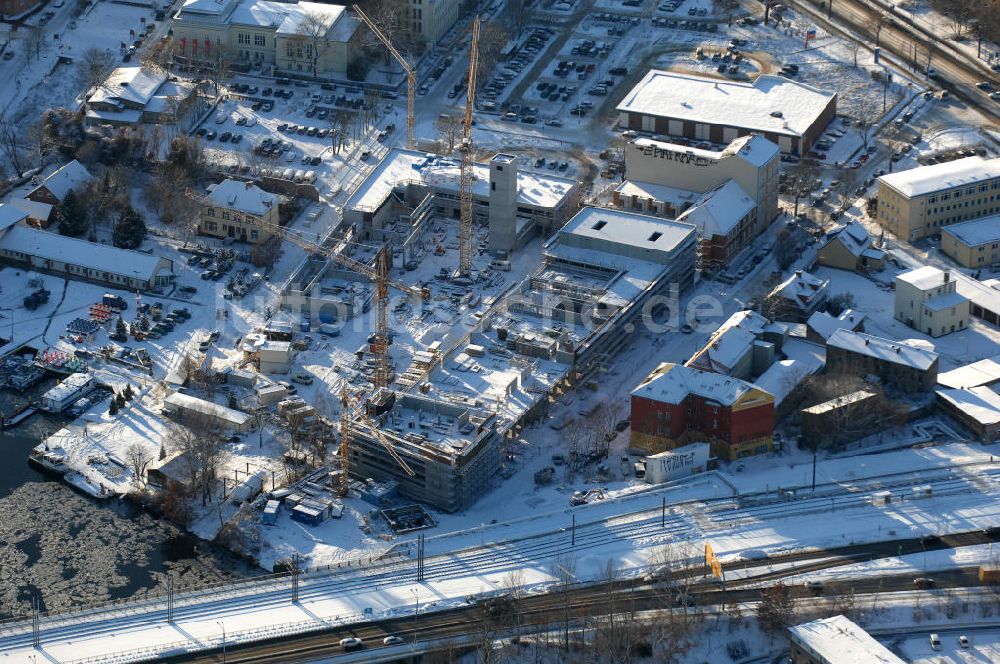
(296, 132)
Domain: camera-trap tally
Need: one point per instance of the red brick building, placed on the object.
(677, 404)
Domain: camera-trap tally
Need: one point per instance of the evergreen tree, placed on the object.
(163, 452)
(130, 230)
(121, 400)
(113, 408)
(120, 328)
(129, 393)
(71, 215)
(232, 400)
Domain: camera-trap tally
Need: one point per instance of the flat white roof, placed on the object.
(976, 232)
(837, 639)
(658, 192)
(938, 177)
(10, 215)
(218, 411)
(720, 102)
(401, 166)
(753, 149)
(628, 228)
(979, 294)
(980, 403)
(883, 349)
(978, 373)
(923, 278)
(285, 17)
(73, 251)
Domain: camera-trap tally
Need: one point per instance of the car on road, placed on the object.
(8, 55)
(923, 582)
(302, 379)
(985, 85)
(392, 640)
(935, 642)
(351, 643)
(963, 641)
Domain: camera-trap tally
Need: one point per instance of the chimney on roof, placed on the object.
(867, 341)
(898, 349)
(247, 184)
(947, 276)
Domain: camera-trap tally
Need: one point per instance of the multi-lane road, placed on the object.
(575, 605)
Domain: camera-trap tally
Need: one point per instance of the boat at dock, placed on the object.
(18, 417)
(82, 483)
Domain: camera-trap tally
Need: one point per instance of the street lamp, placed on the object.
(223, 626)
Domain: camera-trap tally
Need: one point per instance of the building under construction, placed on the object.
(452, 448)
(408, 186)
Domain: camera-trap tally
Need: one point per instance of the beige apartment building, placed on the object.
(291, 37)
(240, 210)
(974, 243)
(921, 201)
(927, 300)
(429, 20)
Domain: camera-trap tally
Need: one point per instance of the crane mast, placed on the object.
(411, 73)
(347, 409)
(467, 212)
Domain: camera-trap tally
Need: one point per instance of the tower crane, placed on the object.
(380, 275)
(467, 213)
(411, 73)
(347, 437)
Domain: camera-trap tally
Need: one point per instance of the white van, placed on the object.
(935, 642)
(310, 176)
(300, 176)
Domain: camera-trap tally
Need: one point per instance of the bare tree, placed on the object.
(10, 145)
(201, 446)
(94, 66)
(138, 459)
(776, 608)
(34, 42)
(493, 37)
(865, 127)
(310, 40)
(802, 179)
(449, 128)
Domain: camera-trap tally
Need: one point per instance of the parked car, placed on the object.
(351, 643)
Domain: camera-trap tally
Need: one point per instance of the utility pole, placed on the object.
(35, 637)
(420, 557)
(295, 578)
(573, 536)
(170, 598)
(815, 447)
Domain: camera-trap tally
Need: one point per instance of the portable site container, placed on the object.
(307, 515)
(270, 516)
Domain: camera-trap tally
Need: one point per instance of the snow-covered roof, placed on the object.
(755, 150)
(69, 176)
(750, 105)
(718, 211)
(287, 17)
(938, 177)
(923, 278)
(801, 288)
(983, 372)
(63, 249)
(801, 350)
(10, 215)
(825, 325)
(672, 383)
(946, 301)
(70, 385)
(853, 236)
(658, 192)
(135, 85)
(628, 228)
(33, 209)
(401, 167)
(731, 342)
(837, 639)
(883, 349)
(218, 411)
(243, 196)
(980, 403)
(976, 232)
(979, 294)
(782, 377)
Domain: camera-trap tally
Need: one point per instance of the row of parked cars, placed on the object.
(533, 45)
